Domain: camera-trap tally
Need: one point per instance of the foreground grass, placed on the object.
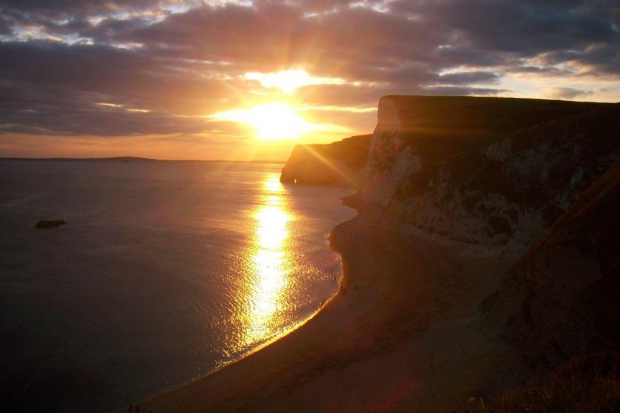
(588, 383)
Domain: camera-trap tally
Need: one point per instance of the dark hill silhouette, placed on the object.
(560, 298)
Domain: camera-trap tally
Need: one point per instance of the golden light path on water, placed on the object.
(271, 265)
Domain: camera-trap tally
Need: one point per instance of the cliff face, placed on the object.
(338, 163)
(537, 174)
(560, 299)
(486, 170)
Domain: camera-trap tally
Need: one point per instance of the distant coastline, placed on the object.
(134, 159)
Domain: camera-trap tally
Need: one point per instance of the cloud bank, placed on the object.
(137, 67)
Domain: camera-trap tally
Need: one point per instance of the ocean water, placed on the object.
(164, 272)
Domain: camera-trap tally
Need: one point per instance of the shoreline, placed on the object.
(395, 335)
(244, 356)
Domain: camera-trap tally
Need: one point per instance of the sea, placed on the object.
(162, 273)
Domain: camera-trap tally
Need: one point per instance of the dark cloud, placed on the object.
(490, 28)
(462, 91)
(57, 88)
(58, 111)
(567, 93)
(67, 8)
(526, 30)
(58, 59)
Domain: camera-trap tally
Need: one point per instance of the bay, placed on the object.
(163, 272)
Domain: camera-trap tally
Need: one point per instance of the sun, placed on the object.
(276, 121)
(272, 121)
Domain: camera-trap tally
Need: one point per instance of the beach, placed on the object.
(398, 336)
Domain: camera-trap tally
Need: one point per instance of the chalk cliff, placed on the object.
(486, 170)
(537, 176)
(534, 174)
(338, 163)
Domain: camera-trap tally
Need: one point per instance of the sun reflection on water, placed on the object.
(272, 184)
(270, 265)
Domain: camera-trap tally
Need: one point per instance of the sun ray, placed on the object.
(290, 80)
(272, 121)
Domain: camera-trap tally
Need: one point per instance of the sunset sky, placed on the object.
(247, 79)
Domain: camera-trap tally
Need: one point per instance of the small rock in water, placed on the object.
(50, 223)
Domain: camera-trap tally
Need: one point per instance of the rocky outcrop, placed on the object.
(486, 170)
(338, 163)
(560, 298)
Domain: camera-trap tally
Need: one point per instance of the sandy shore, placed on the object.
(397, 337)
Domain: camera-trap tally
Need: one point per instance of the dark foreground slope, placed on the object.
(560, 298)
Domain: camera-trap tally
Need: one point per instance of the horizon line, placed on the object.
(134, 158)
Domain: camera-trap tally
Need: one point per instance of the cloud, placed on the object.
(463, 91)
(566, 93)
(459, 78)
(183, 60)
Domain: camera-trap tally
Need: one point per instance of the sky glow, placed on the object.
(108, 78)
(290, 80)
